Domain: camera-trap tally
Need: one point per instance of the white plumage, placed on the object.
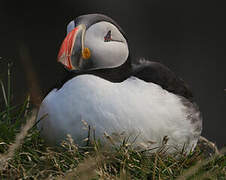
(132, 106)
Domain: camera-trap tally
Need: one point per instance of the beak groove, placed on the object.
(64, 55)
(69, 54)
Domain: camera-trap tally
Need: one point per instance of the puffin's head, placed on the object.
(93, 41)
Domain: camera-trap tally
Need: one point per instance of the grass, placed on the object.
(24, 154)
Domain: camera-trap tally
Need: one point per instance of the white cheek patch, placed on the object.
(70, 26)
(108, 54)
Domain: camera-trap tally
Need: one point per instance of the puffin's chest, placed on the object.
(130, 106)
(92, 97)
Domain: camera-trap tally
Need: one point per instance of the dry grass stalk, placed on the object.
(191, 171)
(85, 170)
(19, 139)
(31, 76)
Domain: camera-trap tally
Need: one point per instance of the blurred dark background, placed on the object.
(188, 36)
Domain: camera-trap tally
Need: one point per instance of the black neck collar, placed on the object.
(114, 75)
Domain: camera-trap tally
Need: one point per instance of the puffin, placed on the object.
(106, 90)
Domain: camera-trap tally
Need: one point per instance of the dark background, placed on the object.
(188, 36)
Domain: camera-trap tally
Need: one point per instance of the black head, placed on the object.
(93, 42)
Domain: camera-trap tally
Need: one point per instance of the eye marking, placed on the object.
(107, 38)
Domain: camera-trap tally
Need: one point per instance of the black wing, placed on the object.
(157, 73)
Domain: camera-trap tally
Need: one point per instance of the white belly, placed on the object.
(133, 106)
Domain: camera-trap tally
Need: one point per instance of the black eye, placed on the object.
(107, 38)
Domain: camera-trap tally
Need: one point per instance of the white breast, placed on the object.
(133, 106)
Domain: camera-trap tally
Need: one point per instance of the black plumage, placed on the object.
(148, 71)
(158, 73)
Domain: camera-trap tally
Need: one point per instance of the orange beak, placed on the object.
(64, 55)
(72, 51)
